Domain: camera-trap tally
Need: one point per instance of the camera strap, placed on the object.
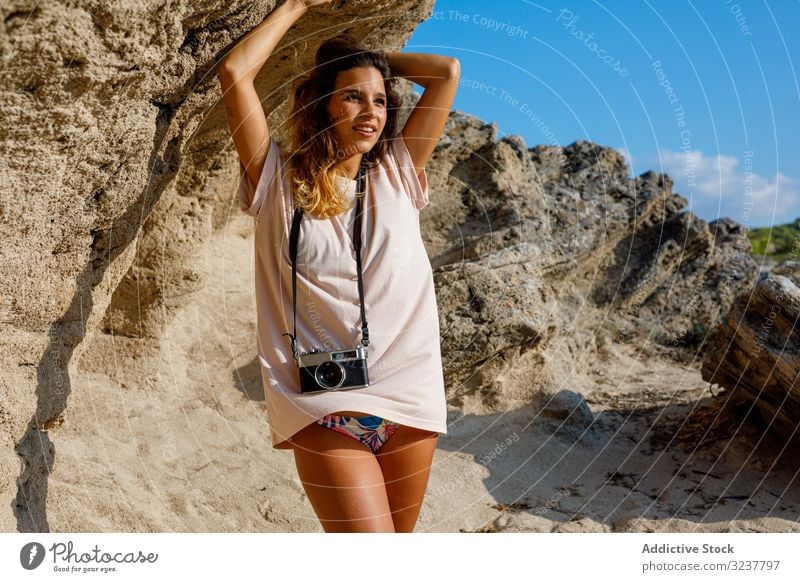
(293, 237)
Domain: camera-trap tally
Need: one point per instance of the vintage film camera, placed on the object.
(337, 370)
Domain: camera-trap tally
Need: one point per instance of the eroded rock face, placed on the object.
(117, 162)
(544, 254)
(755, 353)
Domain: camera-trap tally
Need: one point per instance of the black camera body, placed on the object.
(333, 371)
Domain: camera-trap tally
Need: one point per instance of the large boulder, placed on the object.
(755, 353)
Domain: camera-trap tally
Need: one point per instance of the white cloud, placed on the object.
(718, 186)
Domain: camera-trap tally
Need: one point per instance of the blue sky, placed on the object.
(706, 91)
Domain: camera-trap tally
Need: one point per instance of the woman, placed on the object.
(363, 455)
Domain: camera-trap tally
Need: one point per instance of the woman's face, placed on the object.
(358, 102)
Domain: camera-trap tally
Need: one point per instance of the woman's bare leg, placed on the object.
(405, 461)
(343, 481)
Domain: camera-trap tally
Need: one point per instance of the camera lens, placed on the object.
(329, 375)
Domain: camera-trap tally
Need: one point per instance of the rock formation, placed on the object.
(755, 353)
(544, 254)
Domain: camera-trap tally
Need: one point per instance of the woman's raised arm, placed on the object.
(238, 70)
(439, 76)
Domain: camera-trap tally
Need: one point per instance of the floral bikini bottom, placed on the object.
(373, 431)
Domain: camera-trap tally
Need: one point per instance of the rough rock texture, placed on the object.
(755, 353)
(543, 254)
(789, 269)
(130, 387)
(116, 163)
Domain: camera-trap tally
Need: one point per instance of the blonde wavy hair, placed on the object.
(312, 143)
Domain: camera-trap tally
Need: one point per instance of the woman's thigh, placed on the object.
(405, 461)
(343, 481)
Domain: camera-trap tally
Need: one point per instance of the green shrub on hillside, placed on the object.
(779, 243)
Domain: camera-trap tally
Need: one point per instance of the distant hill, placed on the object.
(784, 241)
